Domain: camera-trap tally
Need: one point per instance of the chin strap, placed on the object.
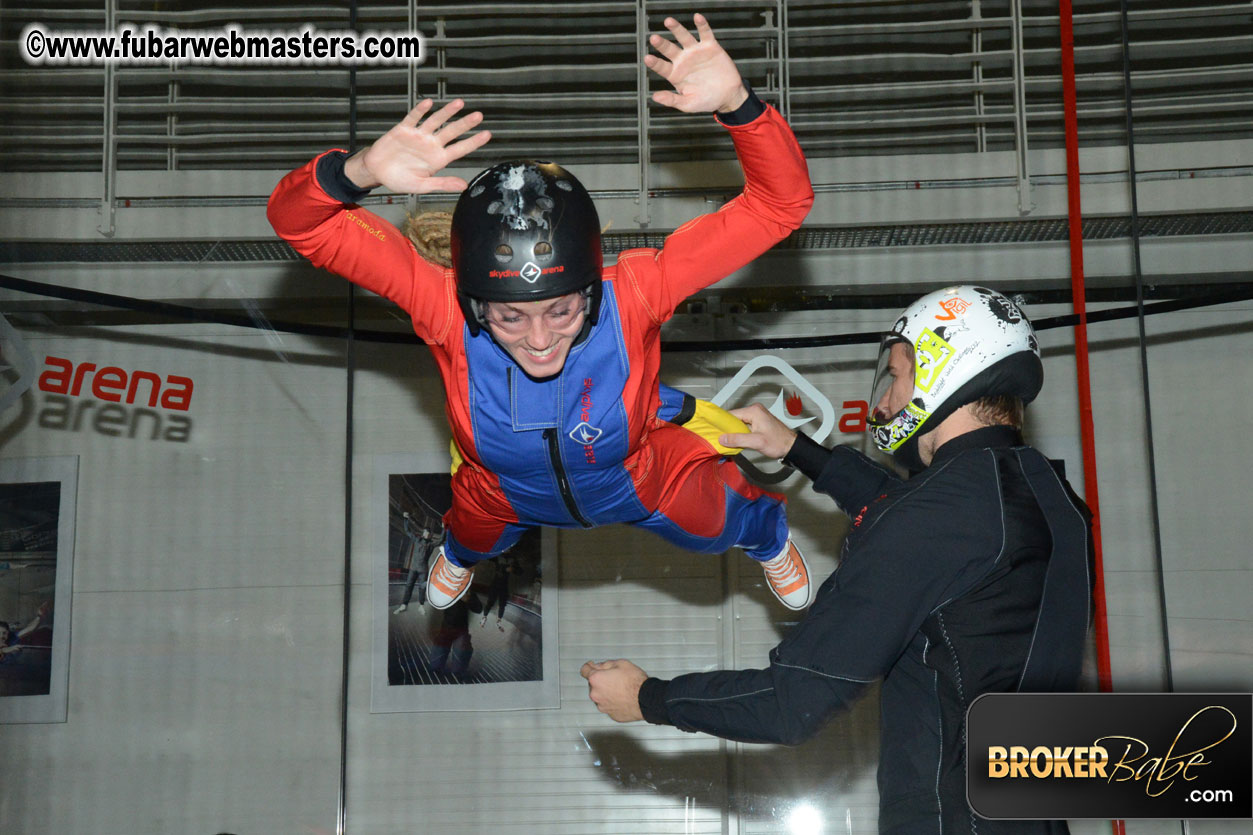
(589, 316)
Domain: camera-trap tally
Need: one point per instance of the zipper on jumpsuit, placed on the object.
(563, 482)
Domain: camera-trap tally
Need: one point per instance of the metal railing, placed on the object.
(563, 80)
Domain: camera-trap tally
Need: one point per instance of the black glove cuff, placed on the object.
(746, 112)
(331, 177)
(807, 455)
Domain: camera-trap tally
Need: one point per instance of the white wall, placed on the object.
(207, 597)
(205, 654)
(205, 667)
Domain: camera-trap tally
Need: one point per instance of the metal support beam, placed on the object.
(171, 126)
(411, 91)
(785, 78)
(976, 47)
(641, 87)
(774, 52)
(108, 162)
(1025, 204)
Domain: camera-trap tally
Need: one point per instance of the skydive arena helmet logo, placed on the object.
(530, 272)
(1110, 755)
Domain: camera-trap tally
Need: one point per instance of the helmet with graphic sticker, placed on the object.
(523, 231)
(966, 342)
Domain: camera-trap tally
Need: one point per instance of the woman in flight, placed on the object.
(549, 358)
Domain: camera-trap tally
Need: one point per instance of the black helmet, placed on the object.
(523, 231)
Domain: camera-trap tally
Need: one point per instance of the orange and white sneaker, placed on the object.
(788, 577)
(447, 582)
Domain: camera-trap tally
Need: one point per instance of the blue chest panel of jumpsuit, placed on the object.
(557, 445)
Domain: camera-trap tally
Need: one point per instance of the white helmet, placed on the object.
(968, 342)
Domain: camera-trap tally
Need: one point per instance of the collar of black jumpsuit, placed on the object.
(988, 436)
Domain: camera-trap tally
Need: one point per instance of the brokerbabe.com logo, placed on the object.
(1110, 755)
(83, 396)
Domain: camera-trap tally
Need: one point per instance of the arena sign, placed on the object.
(87, 397)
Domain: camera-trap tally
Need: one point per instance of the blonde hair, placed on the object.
(431, 235)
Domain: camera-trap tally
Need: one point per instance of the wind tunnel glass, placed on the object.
(883, 377)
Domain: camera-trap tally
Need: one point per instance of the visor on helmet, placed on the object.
(883, 377)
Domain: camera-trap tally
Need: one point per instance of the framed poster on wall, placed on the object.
(496, 648)
(37, 509)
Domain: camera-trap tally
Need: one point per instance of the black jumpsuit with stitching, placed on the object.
(939, 595)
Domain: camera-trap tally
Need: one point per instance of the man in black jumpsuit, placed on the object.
(970, 577)
(420, 547)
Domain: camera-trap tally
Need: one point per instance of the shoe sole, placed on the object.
(436, 605)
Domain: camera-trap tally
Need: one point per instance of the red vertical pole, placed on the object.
(1079, 302)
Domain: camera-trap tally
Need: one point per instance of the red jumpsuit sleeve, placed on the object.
(776, 198)
(363, 248)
